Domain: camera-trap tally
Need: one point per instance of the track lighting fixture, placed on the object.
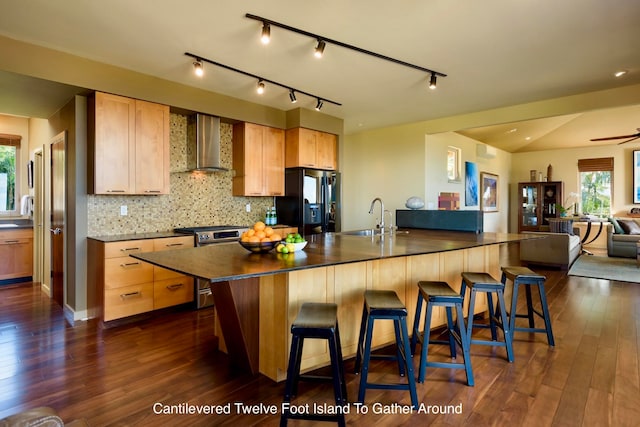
(266, 33)
(261, 80)
(197, 68)
(319, 49)
(432, 81)
(322, 40)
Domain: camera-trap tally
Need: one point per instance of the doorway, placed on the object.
(58, 217)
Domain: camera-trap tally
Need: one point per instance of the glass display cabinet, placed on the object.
(537, 203)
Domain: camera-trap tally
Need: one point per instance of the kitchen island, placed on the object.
(257, 296)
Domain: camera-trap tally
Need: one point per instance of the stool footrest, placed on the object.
(315, 378)
(316, 417)
(450, 365)
(385, 386)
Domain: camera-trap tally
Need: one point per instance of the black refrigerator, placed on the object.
(311, 201)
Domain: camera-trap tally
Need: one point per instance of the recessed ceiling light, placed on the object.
(620, 73)
(512, 130)
(527, 138)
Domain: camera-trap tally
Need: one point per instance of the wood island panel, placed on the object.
(333, 268)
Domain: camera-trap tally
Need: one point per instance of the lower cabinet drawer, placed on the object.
(127, 301)
(126, 271)
(172, 292)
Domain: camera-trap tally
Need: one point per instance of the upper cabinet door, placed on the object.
(309, 148)
(273, 161)
(114, 144)
(326, 144)
(152, 148)
(130, 143)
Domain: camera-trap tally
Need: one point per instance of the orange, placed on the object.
(260, 234)
(275, 237)
(244, 238)
(254, 239)
(250, 232)
(265, 239)
(268, 231)
(259, 226)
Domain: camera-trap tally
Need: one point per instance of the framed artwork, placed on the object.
(489, 192)
(453, 164)
(636, 177)
(471, 184)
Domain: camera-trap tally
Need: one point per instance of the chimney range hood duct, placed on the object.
(203, 143)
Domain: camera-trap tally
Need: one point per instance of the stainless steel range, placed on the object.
(209, 236)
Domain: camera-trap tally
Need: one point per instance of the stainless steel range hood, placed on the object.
(203, 143)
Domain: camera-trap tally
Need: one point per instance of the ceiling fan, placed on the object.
(628, 138)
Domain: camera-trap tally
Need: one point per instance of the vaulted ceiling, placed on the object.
(495, 54)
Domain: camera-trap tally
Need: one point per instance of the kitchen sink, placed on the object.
(370, 232)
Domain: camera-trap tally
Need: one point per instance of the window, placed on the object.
(453, 164)
(9, 152)
(596, 182)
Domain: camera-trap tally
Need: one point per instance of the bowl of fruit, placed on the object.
(292, 243)
(260, 238)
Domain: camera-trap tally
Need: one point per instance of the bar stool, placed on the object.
(320, 321)
(525, 276)
(483, 282)
(440, 294)
(384, 305)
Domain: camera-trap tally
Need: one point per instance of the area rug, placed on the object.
(602, 267)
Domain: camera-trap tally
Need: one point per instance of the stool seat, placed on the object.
(433, 290)
(320, 321)
(440, 294)
(523, 276)
(316, 316)
(384, 304)
(523, 272)
(484, 282)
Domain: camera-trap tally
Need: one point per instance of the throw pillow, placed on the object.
(629, 226)
(616, 225)
(561, 226)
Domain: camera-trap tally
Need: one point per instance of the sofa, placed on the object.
(622, 237)
(41, 417)
(551, 249)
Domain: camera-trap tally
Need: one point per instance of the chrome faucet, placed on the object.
(380, 225)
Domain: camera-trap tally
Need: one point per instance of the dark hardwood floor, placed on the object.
(116, 376)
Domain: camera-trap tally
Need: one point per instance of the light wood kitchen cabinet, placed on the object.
(310, 149)
(258, 160)
(16, 253)
(129, 143)
(126, 286)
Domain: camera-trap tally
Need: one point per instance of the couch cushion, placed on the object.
(629, 226)
(616, 226)
(574, 241)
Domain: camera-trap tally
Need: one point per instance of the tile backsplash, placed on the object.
(195, 199)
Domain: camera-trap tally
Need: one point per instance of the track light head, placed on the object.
(432, 81)
(292, 96)
(319, 49)
(319, 105)
(260, 88)
(266, 33)
(198, 69)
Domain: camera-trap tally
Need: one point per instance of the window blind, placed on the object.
(12, 140)
(595, 165)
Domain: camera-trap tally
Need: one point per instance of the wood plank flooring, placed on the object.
(115, 376)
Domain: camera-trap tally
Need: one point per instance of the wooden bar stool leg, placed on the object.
(341, 366)
(366, 359)
(398, 333)
(360, 348)
(527, 290)
(505, 329)
(410, 375)
(545, 314)
(425, 344)
(416, 324)
(465, 347)
(451, 328)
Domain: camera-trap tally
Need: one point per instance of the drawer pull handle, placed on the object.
(152, 191)
(131, 295)
(116, 191)
(11, 242)
(130, 249)
(171, 245)
(130, 264)
(175, 287)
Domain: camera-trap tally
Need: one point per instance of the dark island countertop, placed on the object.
(229, 261)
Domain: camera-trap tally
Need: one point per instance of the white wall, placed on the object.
(437, 182)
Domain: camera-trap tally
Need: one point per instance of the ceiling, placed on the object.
(495, 54)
